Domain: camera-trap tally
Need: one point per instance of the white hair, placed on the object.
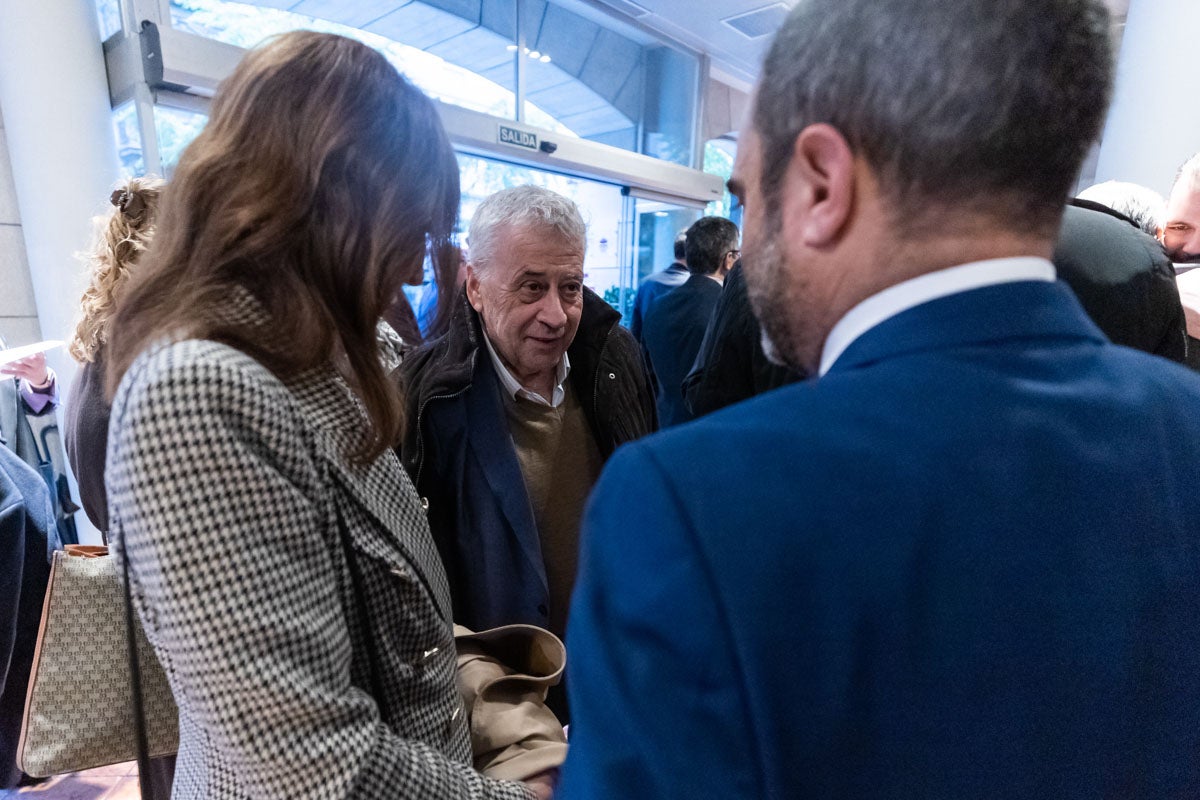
(1145, 207)
(1191, 171)
(522, 206)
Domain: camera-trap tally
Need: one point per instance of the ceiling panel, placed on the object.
(699, 25)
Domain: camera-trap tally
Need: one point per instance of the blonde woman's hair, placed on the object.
(121, 238)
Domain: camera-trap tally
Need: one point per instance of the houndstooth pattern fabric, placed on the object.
(230, 488)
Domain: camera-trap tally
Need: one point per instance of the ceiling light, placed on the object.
(534, 54)
(544, 59)
(512, 48)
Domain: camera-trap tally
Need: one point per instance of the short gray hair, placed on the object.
(521, 206)
(1191, 171)
(985, 105)
(1145, 207)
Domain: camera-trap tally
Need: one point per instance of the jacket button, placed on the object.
(612, 376)
(430, 653)
(424, 503)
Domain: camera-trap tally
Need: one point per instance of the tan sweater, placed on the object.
(560, 462)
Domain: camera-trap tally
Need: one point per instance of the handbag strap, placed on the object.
(135, 680)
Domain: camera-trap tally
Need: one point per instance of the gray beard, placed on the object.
(769, 300)
(770, 350)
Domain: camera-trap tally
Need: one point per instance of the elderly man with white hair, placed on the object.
(514, 410)
(1180, 237)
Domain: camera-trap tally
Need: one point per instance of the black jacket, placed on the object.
(460, 456)
(1122, 278)
(731, 365)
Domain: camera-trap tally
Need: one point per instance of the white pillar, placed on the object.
(54, 97)
(1154, 123)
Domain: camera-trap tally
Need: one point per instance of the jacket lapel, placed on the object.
(1021, 310)
(382, 489)
(491, 444)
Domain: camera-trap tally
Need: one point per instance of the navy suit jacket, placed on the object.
(28, 538)
(965, 563)
(652, 289)
(672, 333)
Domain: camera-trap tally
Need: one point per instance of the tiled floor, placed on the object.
(118, 782)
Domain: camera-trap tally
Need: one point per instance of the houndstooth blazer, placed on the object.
(229, 488)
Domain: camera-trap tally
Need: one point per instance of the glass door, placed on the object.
(658, 223)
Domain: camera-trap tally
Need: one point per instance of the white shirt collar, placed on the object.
(911, 293)
(513, 387)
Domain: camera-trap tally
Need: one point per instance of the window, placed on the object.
(175, 129)
(585, 74)
(718, 160)
(129, 140)
(109, 14)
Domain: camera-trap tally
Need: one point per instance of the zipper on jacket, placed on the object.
(421, 426)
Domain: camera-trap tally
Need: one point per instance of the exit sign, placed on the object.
(518, 137)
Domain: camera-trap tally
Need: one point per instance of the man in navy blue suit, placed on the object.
(960, 561)
(675, 324)
(657, 285)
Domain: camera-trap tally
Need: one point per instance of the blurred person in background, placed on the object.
(657, 284)
(1180, 230)
(121, 241)
(29, 428)
(28, 538)
(1180, 236)
(674, 327)
(1141, 206)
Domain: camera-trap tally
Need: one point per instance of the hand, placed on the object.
(543, 784)
(31, 368)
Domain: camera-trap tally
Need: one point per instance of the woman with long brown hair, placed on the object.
(280, 559)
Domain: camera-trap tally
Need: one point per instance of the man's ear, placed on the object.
(1158, 233)
(474, 296)
(727, 265)
(820, 185)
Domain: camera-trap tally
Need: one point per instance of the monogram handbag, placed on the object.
(79, 710)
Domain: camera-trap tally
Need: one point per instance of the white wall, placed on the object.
(1154, 123)
(18, 310)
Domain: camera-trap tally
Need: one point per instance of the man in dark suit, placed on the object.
(28, 536)
(656, 285)
(675, 324)
(961, 559)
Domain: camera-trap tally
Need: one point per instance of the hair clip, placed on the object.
(131, 204)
